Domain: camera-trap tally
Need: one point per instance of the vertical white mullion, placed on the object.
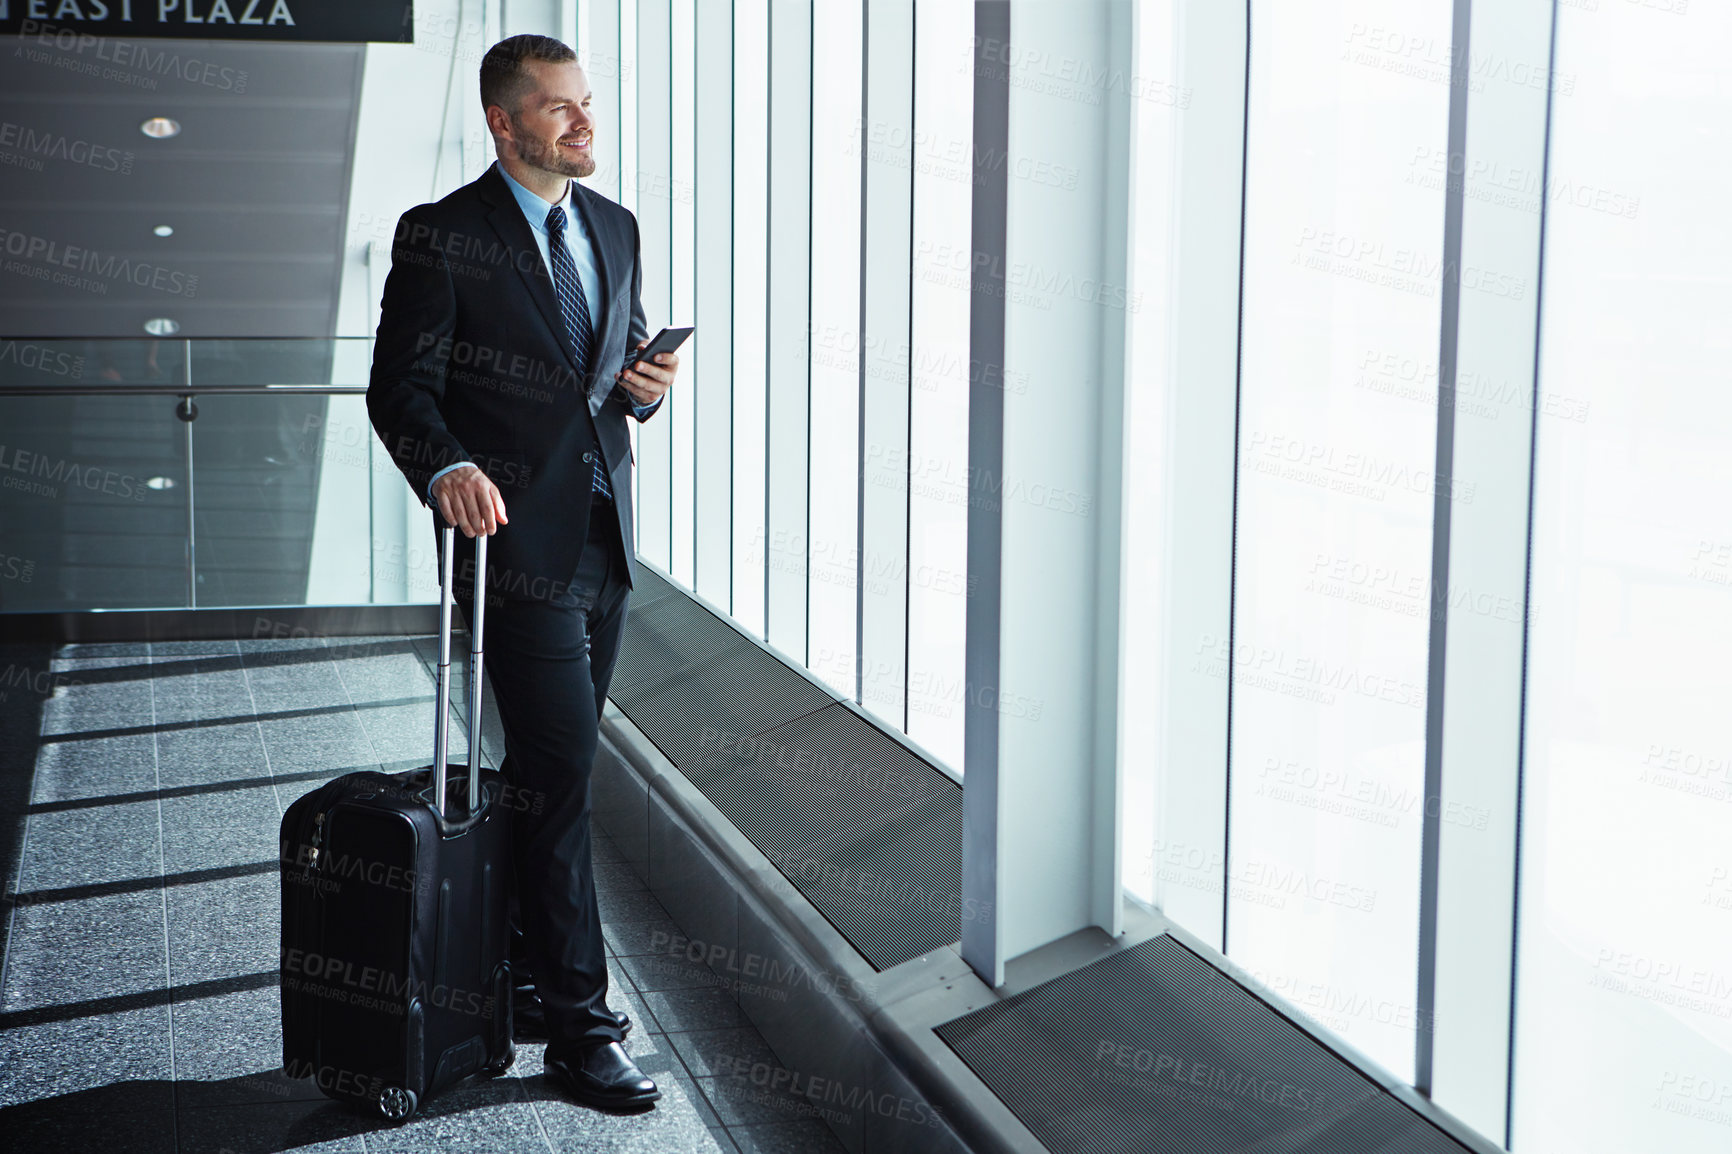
(1476, 807)
(711, 404)
(787, 325)
(881, 558)
(751, 255)
(598, 52)
(682, 68)
(834, 472)
(655, 196)
(939, 583)
(625, 51)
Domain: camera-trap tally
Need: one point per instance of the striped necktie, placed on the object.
(574, 309)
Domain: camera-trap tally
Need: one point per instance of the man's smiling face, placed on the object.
(551, 129)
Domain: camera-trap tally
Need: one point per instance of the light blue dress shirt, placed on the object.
(582, 252)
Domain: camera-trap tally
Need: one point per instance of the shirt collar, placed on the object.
(534, 208)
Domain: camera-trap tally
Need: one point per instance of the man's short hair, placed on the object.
(503, 77)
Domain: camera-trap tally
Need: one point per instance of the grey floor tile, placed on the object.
(203, 689)
(654, 936)
(217, 751)
(723, 1053)
(604, 850)
(261, 1127)
(53, 1059)
(223, 929)
(809, 1136)
(401, 732)
(81, 706)
(175, 650)
(122, 1118)
(228, 1050)
(102, 767)
(707, 1009)
(80, 847)
(321, 741)
(630, 906)
(758, 1098)
(616, 877)
(280, 684)
(390, 676)
(667, 971)
(100, 650)
(65, 952)
(232, 827)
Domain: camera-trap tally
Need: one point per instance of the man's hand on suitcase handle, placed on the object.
(470, 501)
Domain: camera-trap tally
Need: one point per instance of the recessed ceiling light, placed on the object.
(160, 127)
(161, 327)
(159, 483)
(163, 230)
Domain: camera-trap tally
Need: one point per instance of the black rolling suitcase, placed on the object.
(394, 969)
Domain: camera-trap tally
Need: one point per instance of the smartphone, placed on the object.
(666, 341)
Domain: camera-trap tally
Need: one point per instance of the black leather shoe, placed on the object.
(529, 1019)
(602, 1077)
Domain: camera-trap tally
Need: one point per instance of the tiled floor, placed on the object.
(141, 788)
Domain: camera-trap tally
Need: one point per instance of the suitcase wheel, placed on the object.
(396, 1104)
(501, 1066)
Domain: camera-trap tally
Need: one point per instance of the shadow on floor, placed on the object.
(251, 1114)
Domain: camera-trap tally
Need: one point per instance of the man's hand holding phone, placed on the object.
(470, 501)
(647, 379)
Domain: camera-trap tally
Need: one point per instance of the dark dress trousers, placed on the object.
(473, 363)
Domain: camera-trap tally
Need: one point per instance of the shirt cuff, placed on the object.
(445, 470)
(643, 411)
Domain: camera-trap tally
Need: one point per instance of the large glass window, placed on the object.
(833, 541)
(939, 375)
(1342, 268)
(1624, 981)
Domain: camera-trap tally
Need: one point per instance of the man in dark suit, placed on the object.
(497, 378)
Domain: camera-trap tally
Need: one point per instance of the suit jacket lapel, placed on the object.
(607, 273)
(506, 219)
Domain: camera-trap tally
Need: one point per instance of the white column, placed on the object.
(789, 204)
(881, 558)
(1484, 602)
(710, 396)
(1041, 824)
(656, 195)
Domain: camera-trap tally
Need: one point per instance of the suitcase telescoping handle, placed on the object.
(441, 740)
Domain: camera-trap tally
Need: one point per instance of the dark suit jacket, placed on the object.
(472, 363)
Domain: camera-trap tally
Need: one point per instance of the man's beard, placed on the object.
(553, 158)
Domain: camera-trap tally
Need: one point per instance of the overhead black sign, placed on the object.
(352, 21)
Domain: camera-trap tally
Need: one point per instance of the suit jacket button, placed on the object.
(589, 458)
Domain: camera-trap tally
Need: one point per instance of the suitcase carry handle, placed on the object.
(441, 738)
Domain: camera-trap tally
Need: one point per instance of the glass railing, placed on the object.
(201, 473)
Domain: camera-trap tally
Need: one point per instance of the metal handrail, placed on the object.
(117, 389)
